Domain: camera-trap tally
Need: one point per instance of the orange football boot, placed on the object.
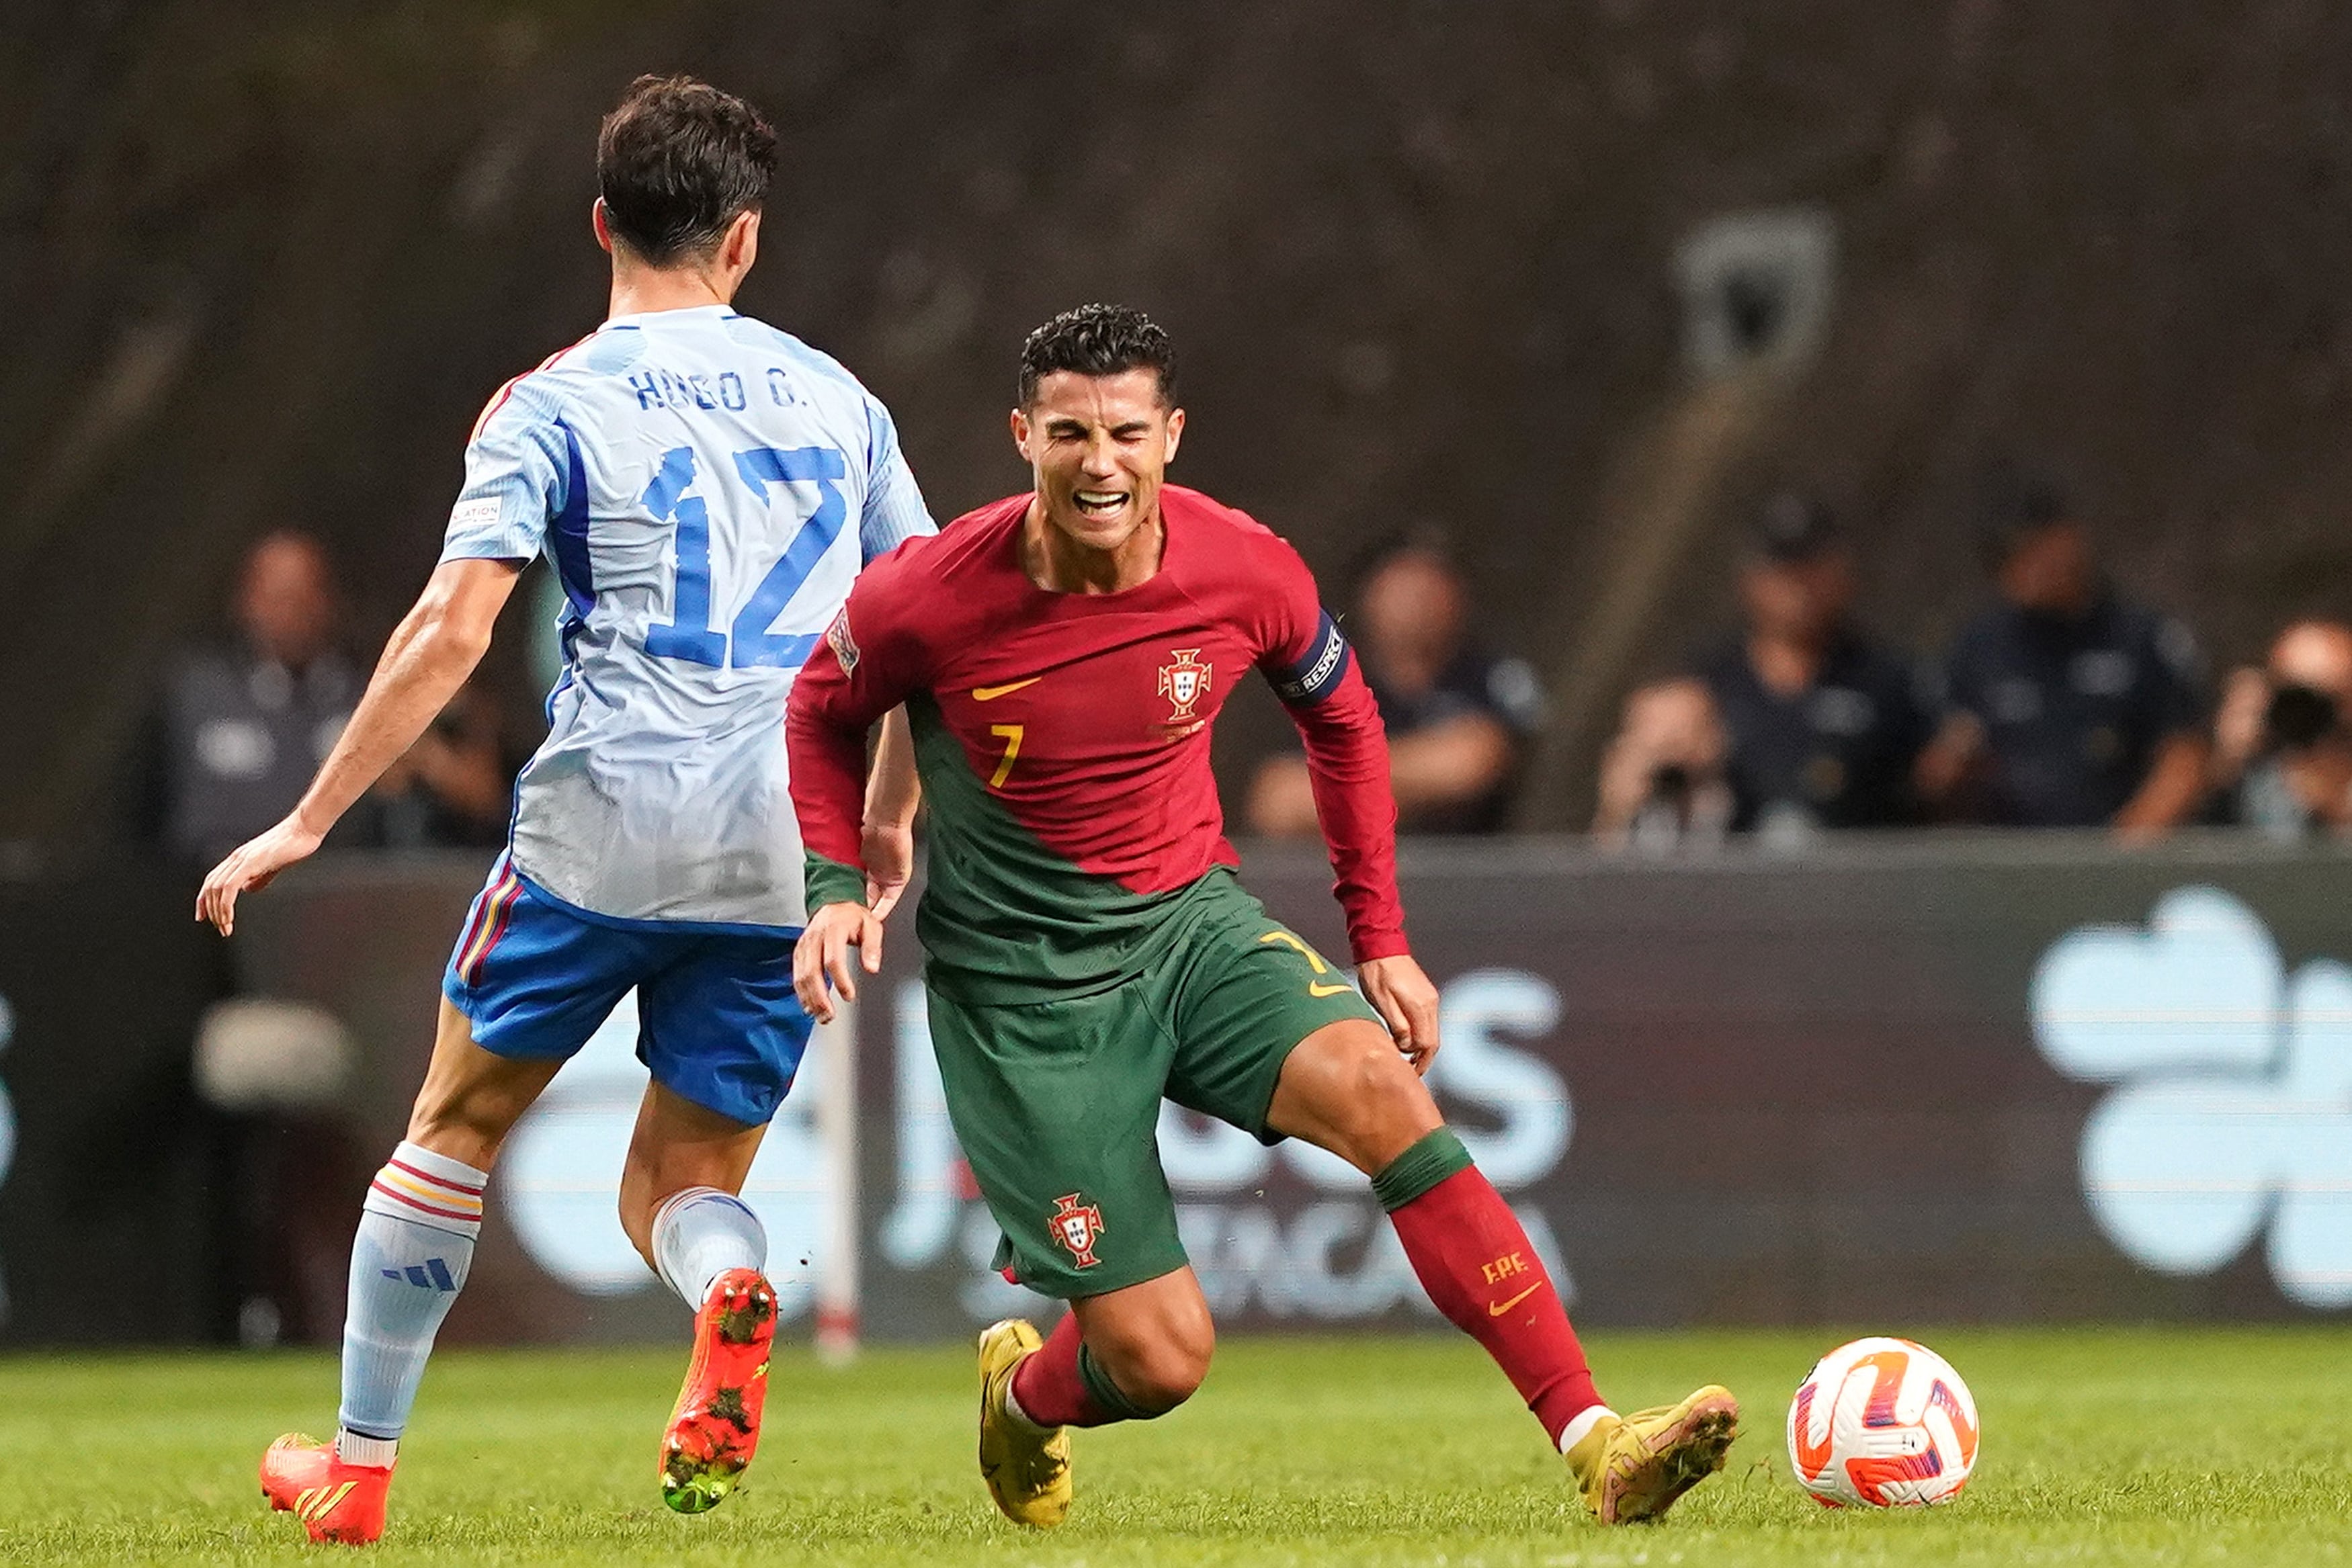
(335, 1501)
(716, 1425)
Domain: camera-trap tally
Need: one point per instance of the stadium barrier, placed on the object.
(1900, 1081)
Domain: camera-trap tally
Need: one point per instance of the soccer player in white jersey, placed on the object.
(706, 488)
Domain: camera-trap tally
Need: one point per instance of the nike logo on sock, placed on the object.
(1497, 1309)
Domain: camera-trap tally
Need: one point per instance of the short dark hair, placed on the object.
(1098, 341)
(676, 161)
(1429, 540)
(1791, 526)
(2017, 503)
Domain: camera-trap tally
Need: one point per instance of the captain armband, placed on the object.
(1319, 675)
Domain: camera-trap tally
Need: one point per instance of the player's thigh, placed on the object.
(533, 979)
(680, 1145)
(720, 1027)
(1348, 1089)
(472, 1098)
(526, 986)
(1056, 1106)
(1248, 993)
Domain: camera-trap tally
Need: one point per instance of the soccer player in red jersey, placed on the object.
(1062, 654)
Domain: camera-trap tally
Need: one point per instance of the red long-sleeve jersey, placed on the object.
(1063, 741)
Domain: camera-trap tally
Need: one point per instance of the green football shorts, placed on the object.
(1057, 1103)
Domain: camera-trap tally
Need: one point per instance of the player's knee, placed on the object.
(1158, 1365)
(1164, 1374)
(467, 1127)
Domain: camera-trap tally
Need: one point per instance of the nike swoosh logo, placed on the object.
(990, 693)
(1316, 991)
(1497, 1309)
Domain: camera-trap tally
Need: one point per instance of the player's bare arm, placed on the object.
(428, 659)
(892, 793)
(862, 820)
(887, 848)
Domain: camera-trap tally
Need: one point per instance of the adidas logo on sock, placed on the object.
(433, 1274)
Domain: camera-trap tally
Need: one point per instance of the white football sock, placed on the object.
(699, 1234)
(415, 1245)
(1583, 1423)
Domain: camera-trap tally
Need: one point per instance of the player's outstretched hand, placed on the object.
(251, 866)
(823, 954)
(1407, 1002)
(888, 851)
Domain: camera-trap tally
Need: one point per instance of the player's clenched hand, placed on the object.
(252, 865)
(888, 851)
(1407, 1002)
(822, 955)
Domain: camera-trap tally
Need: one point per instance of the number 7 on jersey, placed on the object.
(1011, 735)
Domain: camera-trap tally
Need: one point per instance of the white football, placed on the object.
(1883, 1423)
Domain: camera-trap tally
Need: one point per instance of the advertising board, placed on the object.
(1913, 1081)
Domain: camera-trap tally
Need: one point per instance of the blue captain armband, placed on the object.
(1319, 675)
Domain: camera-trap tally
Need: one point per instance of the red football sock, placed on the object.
(1477, 1266)
(1049, 1387)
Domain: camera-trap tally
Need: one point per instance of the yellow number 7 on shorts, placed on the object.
(1314, 961)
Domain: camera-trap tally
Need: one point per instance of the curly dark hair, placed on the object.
(676, 161)
(1098, 341)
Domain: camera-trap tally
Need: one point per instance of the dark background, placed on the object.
(264, 263)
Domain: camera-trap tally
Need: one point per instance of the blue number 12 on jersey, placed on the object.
(749, 644)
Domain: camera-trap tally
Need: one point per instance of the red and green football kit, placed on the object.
(1064, 743)
(1087, 949)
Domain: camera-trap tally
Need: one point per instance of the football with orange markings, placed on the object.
(1883, 1423)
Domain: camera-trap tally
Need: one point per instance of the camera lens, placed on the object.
(2299, 716)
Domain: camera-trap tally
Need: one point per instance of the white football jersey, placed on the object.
(706, 488)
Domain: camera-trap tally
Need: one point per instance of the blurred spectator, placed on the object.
(2281, 748)
(1815, 725)
(453, 788)
(2068, 705)
(1458, 718)
(237, 731)
(1661, 784)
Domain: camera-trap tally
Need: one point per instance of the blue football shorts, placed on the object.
(717, 1019)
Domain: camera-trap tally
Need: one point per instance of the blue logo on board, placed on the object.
(2232, 1114)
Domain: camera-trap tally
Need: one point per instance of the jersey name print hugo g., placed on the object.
(706, 487)
(1064, 743)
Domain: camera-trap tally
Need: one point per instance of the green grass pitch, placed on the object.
(2100, 1445)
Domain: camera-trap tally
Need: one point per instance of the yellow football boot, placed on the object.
(1027, 1470)
(1632, 1469)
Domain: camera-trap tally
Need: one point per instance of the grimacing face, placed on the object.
(1098, 447)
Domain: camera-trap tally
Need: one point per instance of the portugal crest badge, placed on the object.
(1077, 1227)
(1184, 682)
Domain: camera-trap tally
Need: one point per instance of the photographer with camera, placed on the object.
(1799, 723)
(2281, 748)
